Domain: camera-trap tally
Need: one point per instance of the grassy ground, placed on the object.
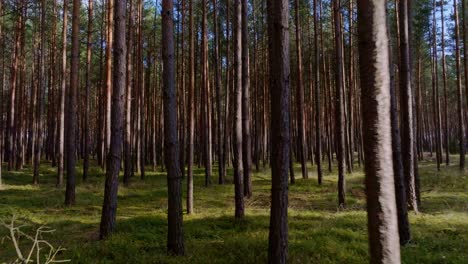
(318, 231)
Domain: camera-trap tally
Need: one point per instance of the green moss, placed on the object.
(319, 232)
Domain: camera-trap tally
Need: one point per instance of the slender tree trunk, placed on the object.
(399, 179)
(2, 94)
(183, 97)
(217, 73)
(190, 112)
(206, 111)
(444, 78)
(435, 92)
(227, 123)
(11, 131)
(175, 238)
(71, 106)
(317, 84)
(278, 48)
(40, 98)
(109, 208)
(339, 109)
(128, 168)
(246, 140)
(406, 107)
(108, 78)
(141, 89)
(238, 165)
(88, 88)
(460, 105)
(465, 47)
(61, 116)
(375, 96)
(301, 144)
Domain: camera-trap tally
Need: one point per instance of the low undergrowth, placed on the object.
(319, 232)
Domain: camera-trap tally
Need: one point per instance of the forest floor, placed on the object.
(319, 232)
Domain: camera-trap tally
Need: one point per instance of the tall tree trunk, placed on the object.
(175, 238)
(128, 168)
(278, 48)
(217, 73)
(444, 78)
(460, 105)
(141, 89)
(88, 88)
(246, 140)
(190, 112)
(71, 106)
(435, 91)
(109, 208)
(11, 131)
(465, 47)
(63, 89)
(375, 100)
(206, 107)
(399, 178)
(183, 108)
(317, 85)
(40, 98)
(238, 165)
(339, 109)
(301, 144)
(2, 94)
(108, 78)
(406, 107)
(227, 122)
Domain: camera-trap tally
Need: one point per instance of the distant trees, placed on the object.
(241, 110)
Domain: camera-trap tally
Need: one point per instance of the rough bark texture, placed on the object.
(71, 106)
(406, 95)
(109, 208)
(175, 238)
(128, 164)
(278, 44)
(246, 140)
(339, 105)
(399, 179)
(318, 136)
(238, 165)
(375, 100)
(63, 87)
(109, 43)
(190, 112)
